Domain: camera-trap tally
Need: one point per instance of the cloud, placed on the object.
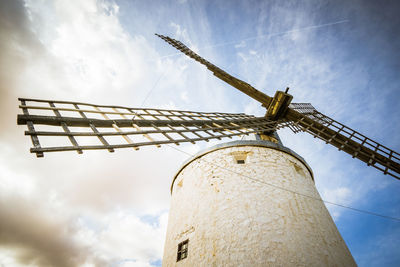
(40, 237)
(241, 44)
(181, 34)
(126, 237)
(184, 96)
(18, 46)
(383, 250)
(76, 50)
(57, 220)
(339, 195)
(96, 205)
(49, 237)
(94, 51)
(253, 108)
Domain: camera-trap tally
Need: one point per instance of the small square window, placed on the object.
(182, 250)
(240, 161)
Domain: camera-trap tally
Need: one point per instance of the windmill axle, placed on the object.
(278, 105)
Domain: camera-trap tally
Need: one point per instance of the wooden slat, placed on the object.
(31, 128)
(354, 144)
(84, 122)
(115, 126)
(155, 142)
(94, 129)
(165, 134)
(181, 134)
(147, 113)
(221, 74)
(191, 131)
(176, 126)
(260, 127)
(222, 128)
(97, 147)
(113, 106)
(194, 132)
(137, 128)
(66, 129)
(209, 133)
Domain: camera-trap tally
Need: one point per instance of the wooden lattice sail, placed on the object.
(136, 127)
(303, 117)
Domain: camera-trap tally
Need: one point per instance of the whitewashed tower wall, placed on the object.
(233, 216)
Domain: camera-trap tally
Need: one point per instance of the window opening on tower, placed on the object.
(240, 157)
(182, 250)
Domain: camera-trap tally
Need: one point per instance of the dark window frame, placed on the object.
(182, 250)
(240, 161)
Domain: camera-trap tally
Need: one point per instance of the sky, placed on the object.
(111, 209)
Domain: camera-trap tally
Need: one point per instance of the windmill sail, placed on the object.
(226, 77)
(82, 126)
(136, 127)
(304, 117)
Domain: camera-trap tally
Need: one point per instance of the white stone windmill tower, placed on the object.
(243, 203)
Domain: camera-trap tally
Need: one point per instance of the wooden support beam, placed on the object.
(97, 147)
(94, 129)
(139, 130)
(84, 122)
(31, 128)
(66, 129)
(115, 126)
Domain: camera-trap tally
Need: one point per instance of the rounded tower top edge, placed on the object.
(259, 143)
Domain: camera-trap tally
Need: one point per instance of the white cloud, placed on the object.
(252, 52)
(241, 44)
(184, 96)
(79, 50)
(125, 238)
(339, 195)
(242, 56)
(254, 108)
(181, 34)
(92, 49)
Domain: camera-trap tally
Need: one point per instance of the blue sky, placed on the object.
(341, 56)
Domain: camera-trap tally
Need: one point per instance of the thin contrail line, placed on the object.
(265, 36)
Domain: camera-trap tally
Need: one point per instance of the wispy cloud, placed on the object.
(69, 210)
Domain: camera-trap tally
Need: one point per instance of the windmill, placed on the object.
(215, 239)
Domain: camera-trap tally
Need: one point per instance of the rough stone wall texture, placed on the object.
(232, 220)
